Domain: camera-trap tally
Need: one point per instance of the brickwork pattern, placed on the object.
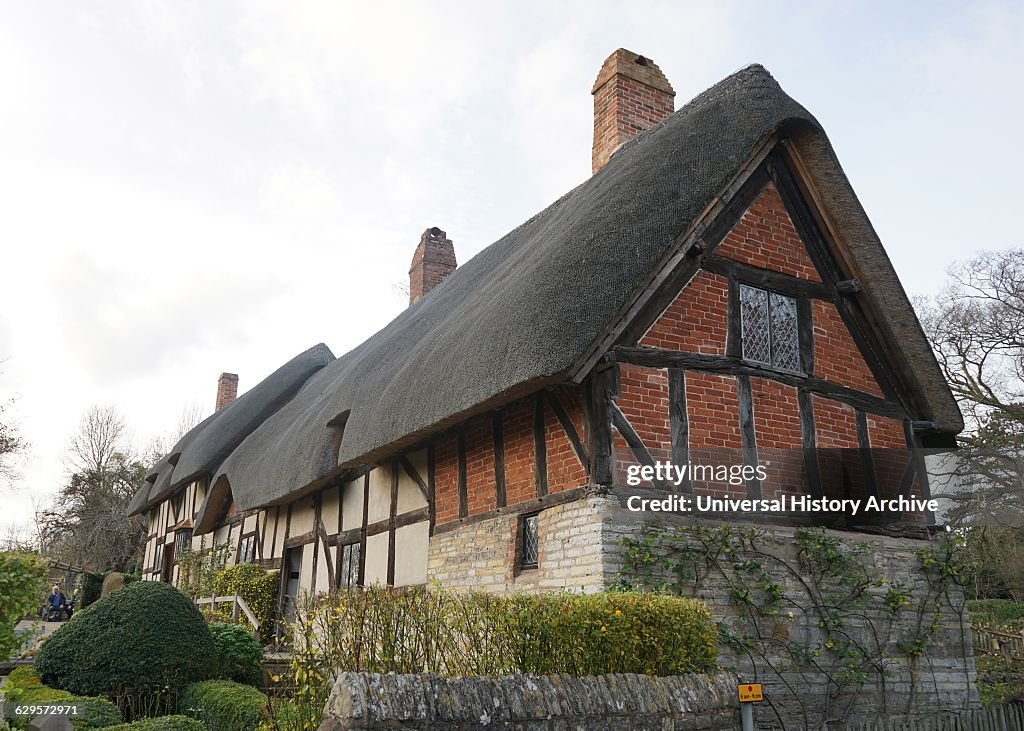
(520, 477)
(480, 481)
(697, 319)
(630, 95)
(765, 238)
(778, 436)
(446, 479)
(433, 260)
(565, 471)
(836, 356)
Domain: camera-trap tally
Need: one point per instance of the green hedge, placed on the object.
(162, 723)
(223, 705)
(24, 676)
(237, 654)
(22, 587)
(997, 613)
(381, 630)
(91, 589)
(257, 586)
(92, 712)
(138, 646)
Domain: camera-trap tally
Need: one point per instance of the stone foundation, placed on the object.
(366, 702)
(582, 550)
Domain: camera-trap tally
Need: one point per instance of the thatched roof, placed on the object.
(528, 308)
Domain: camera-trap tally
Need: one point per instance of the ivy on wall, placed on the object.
(821, 616)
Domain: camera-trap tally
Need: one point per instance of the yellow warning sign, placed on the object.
(750, 692)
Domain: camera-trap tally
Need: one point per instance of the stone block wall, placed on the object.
(582, 548)
(367, 702)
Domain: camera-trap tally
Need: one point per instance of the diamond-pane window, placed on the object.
(531, 541)
(755, 327)
(769, 330)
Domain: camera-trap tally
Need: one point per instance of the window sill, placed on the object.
(773, 369)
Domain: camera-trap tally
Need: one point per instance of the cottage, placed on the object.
(713, 295)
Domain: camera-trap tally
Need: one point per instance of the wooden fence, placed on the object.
(991, 641)
(1007, 717)
(238, 605)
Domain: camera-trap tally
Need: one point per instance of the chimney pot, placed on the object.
(631, 94)
(227, 389)
(433, 260)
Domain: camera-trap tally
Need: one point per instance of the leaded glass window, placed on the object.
(769, 333)
(531, 541)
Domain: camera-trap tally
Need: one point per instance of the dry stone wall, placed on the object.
(367, 702)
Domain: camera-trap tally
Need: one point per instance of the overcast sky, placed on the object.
(188, 188)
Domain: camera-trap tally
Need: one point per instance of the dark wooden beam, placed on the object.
(540, 448)
(302, 539)
(431, 485)
(766, 279)
(463, 487)
(414, 475)
(679, 423)
(805, 335)
(734, 322)
(318, 503)
(896, 383)
(658, 358)
(597, 390)
(917, 457)
(498, 433)
(636, 444)
(867, 460)
(748, 434)
(366, 520)
(524, 508)
(393, 511)
(352, 535)
(400, 521)
(569, 428)
(809, 439)
(277, 519)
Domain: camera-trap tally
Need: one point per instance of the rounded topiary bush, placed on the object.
(223, 705)
(147, 638)
(238, 653)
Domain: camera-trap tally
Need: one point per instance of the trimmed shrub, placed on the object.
(24, 676)
(91, 587)
(1004, 613)
(92, 712)
(256, 585)
(237, 654)
(22, 587)
(411, 630)
(162, 723)
(139, 646)
(223, 705)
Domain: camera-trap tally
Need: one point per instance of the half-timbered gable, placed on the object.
(714, 293)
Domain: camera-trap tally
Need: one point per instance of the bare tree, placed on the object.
(99, 437)
(11, 445)
(88, 522)
(976, 328)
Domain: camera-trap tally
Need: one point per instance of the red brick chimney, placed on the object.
(433, 261)
(630, 95)
(227, 389)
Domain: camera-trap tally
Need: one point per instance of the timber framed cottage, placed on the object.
(713, 293)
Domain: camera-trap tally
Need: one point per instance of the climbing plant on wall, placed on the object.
(813, 610)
